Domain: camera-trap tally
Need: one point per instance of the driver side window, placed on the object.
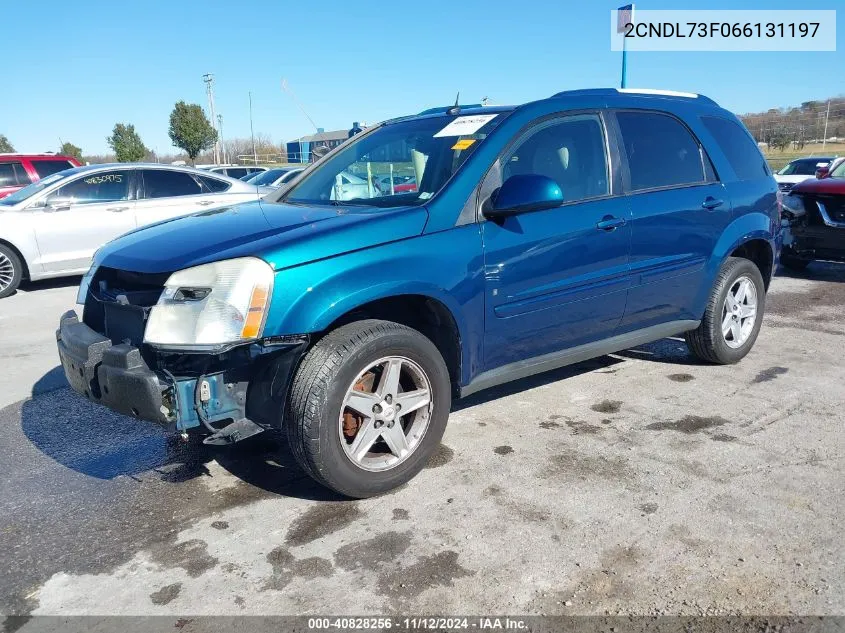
(570, 151)
(107, 186)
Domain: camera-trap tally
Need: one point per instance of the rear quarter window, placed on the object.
(213, 185)
(738, 147)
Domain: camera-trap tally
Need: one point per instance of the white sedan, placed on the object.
(51, 228)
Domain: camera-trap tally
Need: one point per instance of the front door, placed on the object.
(79, 217)
(557, 278)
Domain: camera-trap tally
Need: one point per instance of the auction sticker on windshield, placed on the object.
(464, 125)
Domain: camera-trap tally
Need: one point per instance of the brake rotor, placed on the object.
(352, 420)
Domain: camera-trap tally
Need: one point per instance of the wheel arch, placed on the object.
(19, 253)
(428, 314)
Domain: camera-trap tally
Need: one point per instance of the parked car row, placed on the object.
(19, 170)
(52, 227)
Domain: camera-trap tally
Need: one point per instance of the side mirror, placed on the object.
(822, 172)
(523, 193)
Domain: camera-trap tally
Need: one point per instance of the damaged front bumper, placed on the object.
(230, 396)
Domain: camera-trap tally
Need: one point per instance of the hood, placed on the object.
(821, 186)
(284, 235)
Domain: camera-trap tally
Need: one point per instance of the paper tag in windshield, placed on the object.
(465, 125)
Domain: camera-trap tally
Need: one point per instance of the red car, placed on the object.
(20, 170)
(815, 220)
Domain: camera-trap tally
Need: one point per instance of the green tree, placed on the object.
(190, 130)
(5, 145)
(126, 143)
(69, 149)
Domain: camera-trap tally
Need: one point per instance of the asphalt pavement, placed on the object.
(638, 483)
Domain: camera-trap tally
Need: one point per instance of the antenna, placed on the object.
(287, 89)
(455, 109)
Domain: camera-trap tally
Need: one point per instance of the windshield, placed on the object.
(31, 190)
(803, 167)
(839, 171)
(267, 177)
(419, 154)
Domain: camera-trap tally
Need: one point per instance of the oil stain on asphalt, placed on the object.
(607, 406)
(438, 570)
(441, 456)
(322, 520)
(167, 594)
(286, 567)
(380, 549)
(503, 450)
(688, 424)
(681, 377)
(400, 514)
(769, 374)
(192, 556)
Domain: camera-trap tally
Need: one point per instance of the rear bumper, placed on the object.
(118, 377)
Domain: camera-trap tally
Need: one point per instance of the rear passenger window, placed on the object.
(162, 183)
(13, 174)
(49, 167)
(739, 148)
(570, 151)
(661, 151)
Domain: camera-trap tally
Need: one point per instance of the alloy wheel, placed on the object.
(739, 312)
(385, 413)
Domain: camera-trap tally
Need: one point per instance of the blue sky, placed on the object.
(82, 67)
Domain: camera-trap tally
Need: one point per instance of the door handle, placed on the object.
(610, 223)
(205, 203)
(711, 203)
(117, 209)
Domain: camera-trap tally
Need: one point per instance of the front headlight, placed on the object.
(212, 305)
(793, 206)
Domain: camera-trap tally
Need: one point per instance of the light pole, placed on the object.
(252, 132)
(220, 137)
(208, 78)
(624, 16)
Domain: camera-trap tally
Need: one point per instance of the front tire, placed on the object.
(11, 271)
(733, 316)
(367, 407)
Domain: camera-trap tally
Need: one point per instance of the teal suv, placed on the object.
(350, 314)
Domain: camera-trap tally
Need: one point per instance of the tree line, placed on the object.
(189, 130)
(782, 128)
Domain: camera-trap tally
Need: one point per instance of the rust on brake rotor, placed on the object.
(352, 420)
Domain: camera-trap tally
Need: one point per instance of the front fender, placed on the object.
(444, 266)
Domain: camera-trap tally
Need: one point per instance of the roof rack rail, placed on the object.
(462, 106)
(598, 92)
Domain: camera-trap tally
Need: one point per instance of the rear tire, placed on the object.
(11, 271)
(331, 376)
(709, 341)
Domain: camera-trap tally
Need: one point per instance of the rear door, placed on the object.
(556, 278)
(76, 219)
(678, 209)
(170, 193)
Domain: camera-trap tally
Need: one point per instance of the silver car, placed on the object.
(52, 227)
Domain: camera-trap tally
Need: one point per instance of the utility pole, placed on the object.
(826, 117)
(252, 132)
(220, 138)
(208, 78)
